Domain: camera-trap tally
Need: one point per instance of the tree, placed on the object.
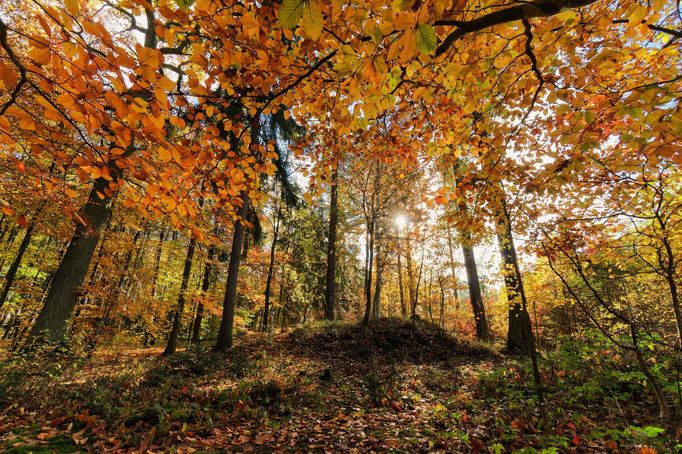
(330, 284)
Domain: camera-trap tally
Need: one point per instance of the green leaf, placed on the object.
(426, 38)
(652, 431)
(292, 11)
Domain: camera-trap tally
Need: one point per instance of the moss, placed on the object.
(57, 444)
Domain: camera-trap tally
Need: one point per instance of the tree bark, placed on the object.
(377, 285)
(205, 285)
(224, 340)
(452, 266)
(520, 336)
(330, 290)
(172, 344)
(403, 306)
(70, 275)
(482, 327)
(110, 302)
(268, 281)
(157, 262)
(519, 333)
(441, 318)
(369, 263)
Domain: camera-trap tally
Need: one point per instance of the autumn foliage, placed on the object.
(175, 173)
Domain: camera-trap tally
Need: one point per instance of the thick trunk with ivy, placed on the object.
(519, 333)
(520, 338)
(69, 277)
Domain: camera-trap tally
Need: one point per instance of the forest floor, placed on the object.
(339, 387)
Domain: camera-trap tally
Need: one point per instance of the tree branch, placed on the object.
(536, 8)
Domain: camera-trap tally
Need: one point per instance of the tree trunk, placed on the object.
(415, 303)
(110, 302)
(172, 344)
(377, 285)
(14, 267)
(224, 340)
(268, 281)
(452, 266)
(157, 261)
(205, 285)
(330, 290)
(403, 306)
(410, 278)
(519, 332)
(441, 318)
(69, 277)
(369, 263)
(428, 295)
(482, 328)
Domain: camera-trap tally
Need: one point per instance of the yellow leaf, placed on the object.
(165, 155)
(40, 55)
(72, 7)
(250, 26)
(166, 84)
(292, 11)
(312, 19)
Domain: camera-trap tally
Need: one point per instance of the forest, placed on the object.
(341, 226)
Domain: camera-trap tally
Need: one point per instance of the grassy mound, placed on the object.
(393, 340)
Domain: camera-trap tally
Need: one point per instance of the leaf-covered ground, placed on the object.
(392, 387)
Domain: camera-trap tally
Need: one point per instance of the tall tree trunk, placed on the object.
(172, 344)
(157, 262)
(441, 318)
(280, 296)
(669, 268)
(410, 278)
(271, 266)
(369, 264)
(428, 295)
(453, 269)
(69, 277)
(415, 303)
(110, 302)
(403, 306)
(14, 267)
(205, 285)
(377, 285)
(224, 340)
(519, 332)
(330, 289)
(482, 328)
